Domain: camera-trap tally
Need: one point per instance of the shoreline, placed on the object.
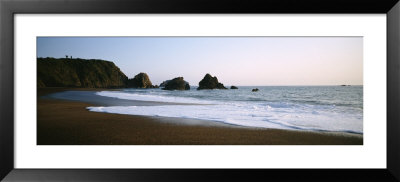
(62, 122)
(88, 96)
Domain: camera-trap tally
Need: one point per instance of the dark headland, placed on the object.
(79, 73)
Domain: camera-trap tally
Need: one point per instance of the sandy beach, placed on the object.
(64, 122)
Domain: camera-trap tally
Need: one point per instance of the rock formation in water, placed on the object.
(164, 83)
(255, 90)
(141, 80)
(233, 87)
(175, 84)
(209, 82)
(88, 73)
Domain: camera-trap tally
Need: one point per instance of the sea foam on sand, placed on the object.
(281, 115)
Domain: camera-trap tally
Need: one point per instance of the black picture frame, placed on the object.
(9, 8)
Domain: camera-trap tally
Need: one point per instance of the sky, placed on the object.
(240, 61)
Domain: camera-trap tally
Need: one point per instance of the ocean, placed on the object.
(308, 108)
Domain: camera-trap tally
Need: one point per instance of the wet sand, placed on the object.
(64, 122)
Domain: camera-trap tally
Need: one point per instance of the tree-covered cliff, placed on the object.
(63, 72)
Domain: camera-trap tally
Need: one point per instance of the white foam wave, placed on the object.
(283, 114)
(153, 98)
(243, 114)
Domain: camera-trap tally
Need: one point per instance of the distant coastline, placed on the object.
(96, 73)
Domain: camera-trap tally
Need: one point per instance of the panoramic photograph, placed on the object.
(199, 90)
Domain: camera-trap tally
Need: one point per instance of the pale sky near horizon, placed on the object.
(234, 60)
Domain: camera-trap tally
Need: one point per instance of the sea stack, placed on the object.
(233, 87)
(209, 82)
(177, 83)
(141, 80)
(255, 90)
